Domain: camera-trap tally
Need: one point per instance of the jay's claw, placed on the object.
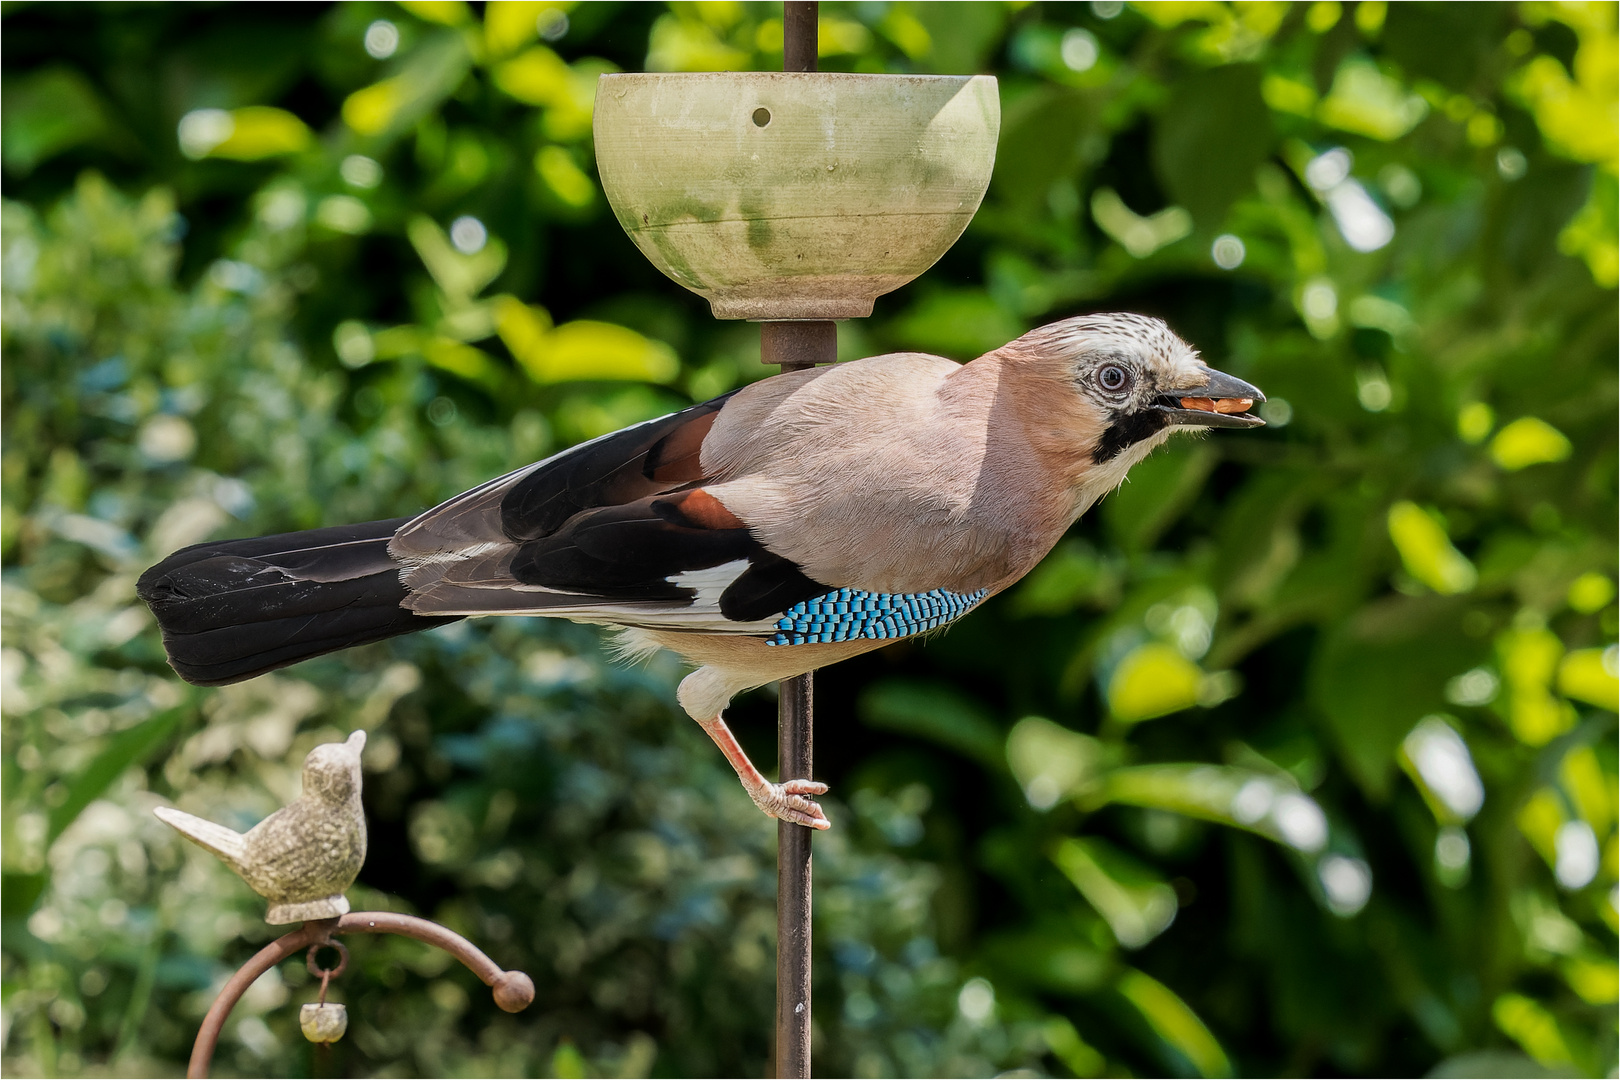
(787, 802)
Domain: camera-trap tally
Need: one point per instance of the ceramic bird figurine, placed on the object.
(799, 521)
(304, 856)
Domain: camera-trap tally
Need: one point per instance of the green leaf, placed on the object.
(1175, 1023)
(585, 350)
(1157, 492)
(247, 134)
(1528, 441)
(1533, 1027)
(19, 893)
(963, 34)
(460, 275)
(1365, 101)
(567, 1062)
(127, 748)
(1427, 551)
(386, 108)
(959, 323)
(1139, 234)
(1210, 138)
(1053, 957)
(1050, 761)
(45, 113)
(1383, 671)
(934, 712)
(1041, 139)
(1136, 902)
(1472, 36)
(1072, 575)
(1589, 675)
(1068, 1047)
(1153, 679)
(589, 413)
(1267, 805)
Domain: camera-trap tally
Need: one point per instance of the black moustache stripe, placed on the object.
(1127, 430)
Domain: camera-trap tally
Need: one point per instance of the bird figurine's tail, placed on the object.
(234, 609)
(228, 844)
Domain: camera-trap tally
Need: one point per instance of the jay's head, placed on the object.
(1131, 381)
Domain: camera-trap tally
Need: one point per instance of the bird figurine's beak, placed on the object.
(1220, 401)
(357, 741)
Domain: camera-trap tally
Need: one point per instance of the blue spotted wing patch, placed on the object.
(849, 614)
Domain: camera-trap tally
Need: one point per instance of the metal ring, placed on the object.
(320, 972)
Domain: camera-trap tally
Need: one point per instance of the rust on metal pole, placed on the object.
(795, 346)
(513, 990)
(795, 740)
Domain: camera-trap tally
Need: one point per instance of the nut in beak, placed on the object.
(1218, 405)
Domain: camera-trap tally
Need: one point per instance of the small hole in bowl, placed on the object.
(762, 116)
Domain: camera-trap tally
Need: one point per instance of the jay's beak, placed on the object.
(1221, 401)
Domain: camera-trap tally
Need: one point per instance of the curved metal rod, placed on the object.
(513, 990)
(202, 1051)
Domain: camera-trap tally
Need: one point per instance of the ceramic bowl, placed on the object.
(795, 195)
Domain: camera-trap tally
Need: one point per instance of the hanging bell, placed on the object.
(323, 1022)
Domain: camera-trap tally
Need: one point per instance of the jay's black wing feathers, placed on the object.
(771, 584)
(608, 527)
(642, 563)
(596, 532)
(633, 552)
(629, 551)
(620, 468)
(234, 609)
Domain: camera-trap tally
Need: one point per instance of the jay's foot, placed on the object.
(787, 802)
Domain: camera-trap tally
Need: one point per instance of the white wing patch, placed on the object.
(710, 582)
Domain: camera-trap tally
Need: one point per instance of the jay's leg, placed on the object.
(704, 695)
(785, 801)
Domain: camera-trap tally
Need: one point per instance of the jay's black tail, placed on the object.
(238, 608)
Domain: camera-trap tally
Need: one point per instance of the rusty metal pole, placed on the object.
(795, 346)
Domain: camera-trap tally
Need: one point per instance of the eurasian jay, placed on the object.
(804, 519)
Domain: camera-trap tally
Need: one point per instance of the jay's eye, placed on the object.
(1113, 378)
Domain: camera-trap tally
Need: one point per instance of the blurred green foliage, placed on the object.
(1297, 756)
